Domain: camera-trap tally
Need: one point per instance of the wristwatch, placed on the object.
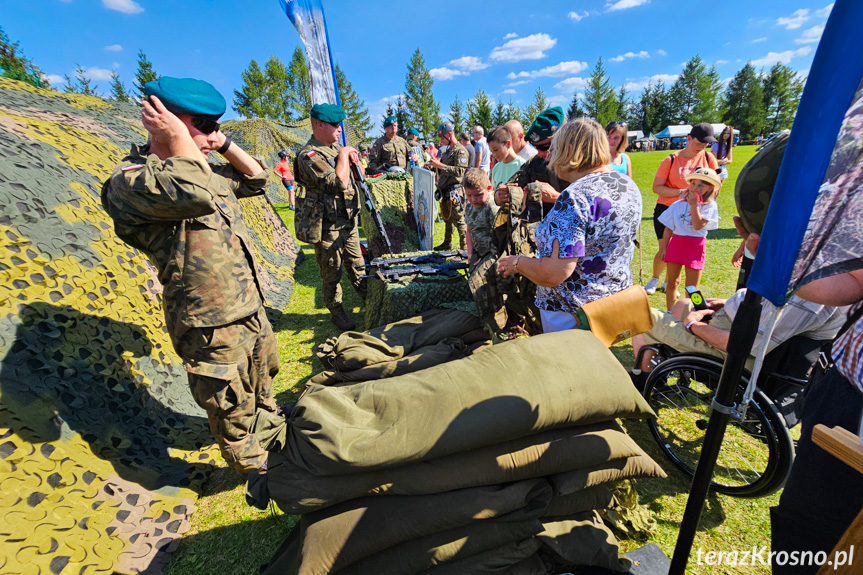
(515, 263)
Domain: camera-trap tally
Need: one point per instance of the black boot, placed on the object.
(445, 246)
(342, 320)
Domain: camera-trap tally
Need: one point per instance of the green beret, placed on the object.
(329, 113)
(187, 96)
(390, 121)
(413, 132)
(545, 124)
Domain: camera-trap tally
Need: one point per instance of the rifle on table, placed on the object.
(395, 274)
(429, 258)
(360, 178)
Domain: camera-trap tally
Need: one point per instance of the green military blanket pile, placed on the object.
(412, 295)
(474, 466)
(432, 338)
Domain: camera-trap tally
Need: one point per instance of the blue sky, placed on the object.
(507, 48)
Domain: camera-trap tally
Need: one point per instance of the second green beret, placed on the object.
(390, 121)
(548, 121)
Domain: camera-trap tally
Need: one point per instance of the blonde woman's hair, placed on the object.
(620, 129)
(579, 145)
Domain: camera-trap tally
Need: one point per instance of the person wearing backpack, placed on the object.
(670, 181)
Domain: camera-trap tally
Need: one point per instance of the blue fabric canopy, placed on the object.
(795, 240)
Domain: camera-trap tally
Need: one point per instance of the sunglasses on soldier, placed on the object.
(205, 125)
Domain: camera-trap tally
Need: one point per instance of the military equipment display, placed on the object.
(395, 274)
(360, 178)
(429, 258)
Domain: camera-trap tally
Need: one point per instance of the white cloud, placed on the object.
(378, 107)
(531, 47)
(722, 62)
(509, 91)
(783, 57)
(471, 63)
(519, 83)
(661, 52)
(622, 57)
(114, 48)
(445, 73)
(794, 21)
(810, 36)
(124, 6)
(510, 36)
(571, 84)
(95, 73)
(757, 40)
(561, 69)
(824, 12)
(560, 100)
(56, 80)
(640, 84)
(624, 4)
(578, 17)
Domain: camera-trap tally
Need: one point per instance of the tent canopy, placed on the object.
(682, 130)
(637, 134)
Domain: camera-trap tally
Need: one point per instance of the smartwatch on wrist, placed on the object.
(225, 146)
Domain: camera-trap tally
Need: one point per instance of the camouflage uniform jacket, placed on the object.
(481, 222)
(393, 152)
(337, 206)
(536, 170)
(186, 218)
(455, 159)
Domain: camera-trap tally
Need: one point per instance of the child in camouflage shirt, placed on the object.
(479, 215)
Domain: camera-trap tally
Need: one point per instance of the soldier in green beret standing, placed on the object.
(168, 201)
(327, 215)
(449, 171)
(390, 150)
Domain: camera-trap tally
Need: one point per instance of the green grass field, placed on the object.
(227, 536)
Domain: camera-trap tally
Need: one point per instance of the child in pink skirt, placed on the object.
(686, 224)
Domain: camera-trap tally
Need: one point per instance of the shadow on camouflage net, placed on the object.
(66, 373)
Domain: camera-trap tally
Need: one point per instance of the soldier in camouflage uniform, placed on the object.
(449, 171)
(168, 201)
(327, 215)
(517, 219)
(390, 150)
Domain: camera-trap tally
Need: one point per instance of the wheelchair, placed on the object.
(758, 449)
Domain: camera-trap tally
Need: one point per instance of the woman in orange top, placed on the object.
(670, 181)
(283, 169)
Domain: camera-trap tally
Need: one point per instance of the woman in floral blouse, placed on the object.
(586, 243)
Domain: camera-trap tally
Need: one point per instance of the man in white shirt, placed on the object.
(483, 153)
(519, 144)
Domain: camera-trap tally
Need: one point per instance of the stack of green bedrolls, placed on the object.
(495, 463)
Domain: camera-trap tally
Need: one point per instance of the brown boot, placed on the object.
(342, 320)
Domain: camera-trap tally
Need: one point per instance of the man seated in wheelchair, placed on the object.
(706, 331)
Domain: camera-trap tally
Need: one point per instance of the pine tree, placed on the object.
(624, 106)
(498, 115)
(118, 89)
(68, 85)
(644, 115)
(83, 84)
(479, 111)
(402, 118)
(300, 86)
(390, 111)
(744, 102)
(539, 103)
(709, 98)
(575, 109)
(278, 91)
(782, 89)
(251, 99)
(663, 107)
(512, 113)
(144, 74)
(456, 115)
(14, 65)
(600, 101)
(422, 110)
(357, 119)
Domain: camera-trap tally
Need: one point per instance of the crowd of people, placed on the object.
(549, 218)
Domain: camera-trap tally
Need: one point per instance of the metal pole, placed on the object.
(743, 332)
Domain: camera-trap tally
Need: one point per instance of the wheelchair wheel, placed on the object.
(756, 453)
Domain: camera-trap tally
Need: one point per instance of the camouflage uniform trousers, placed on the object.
(339, 247)
(453, 216)
(488, 299)
(231, 370)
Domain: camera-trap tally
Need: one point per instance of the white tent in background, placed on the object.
(682, 130)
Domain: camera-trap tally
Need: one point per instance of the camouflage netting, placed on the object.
(387, 302)
(391, 193)
(102, 448)
(265, 139)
